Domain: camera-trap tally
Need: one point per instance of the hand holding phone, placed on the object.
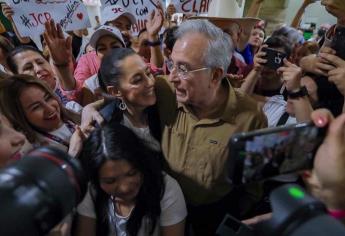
(262, 154)
(274, 58)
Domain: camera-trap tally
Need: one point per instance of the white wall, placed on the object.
(314, 13)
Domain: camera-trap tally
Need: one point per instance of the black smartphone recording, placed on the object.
(275, 58)
(266, 153)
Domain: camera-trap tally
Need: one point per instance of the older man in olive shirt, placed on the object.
(199, 115)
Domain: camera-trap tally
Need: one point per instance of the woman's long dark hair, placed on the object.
(117, 142)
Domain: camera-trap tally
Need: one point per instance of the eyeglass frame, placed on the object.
(170, 65)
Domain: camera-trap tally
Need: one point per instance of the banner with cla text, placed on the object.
(194, 7)
(141, 9)
(30, 15)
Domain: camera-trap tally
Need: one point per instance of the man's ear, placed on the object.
(217, 74)
(113, 91)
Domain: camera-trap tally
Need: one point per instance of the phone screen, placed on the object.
(272, 152)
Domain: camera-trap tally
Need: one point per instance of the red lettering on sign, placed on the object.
(116, 10)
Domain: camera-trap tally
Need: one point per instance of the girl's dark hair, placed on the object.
(110, 71)
(328, 95)
(117, 142)
(279, 42)
(12, 65)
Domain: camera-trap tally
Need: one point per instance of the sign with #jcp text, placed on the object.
(141, 9)
(30, 15)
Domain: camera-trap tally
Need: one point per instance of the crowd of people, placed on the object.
(150, 116)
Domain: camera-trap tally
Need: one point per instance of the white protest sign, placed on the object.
(192, 6)
(30, 15)
(140, 9)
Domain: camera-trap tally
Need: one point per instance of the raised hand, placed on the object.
(337, 74)
(291, 76)
(327, 179)
(60, 48)
(154, 22)
(7, 11)
(259, 60)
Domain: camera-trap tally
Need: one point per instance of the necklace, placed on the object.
(115, 218)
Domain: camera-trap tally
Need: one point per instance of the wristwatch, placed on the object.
(301, 93)
(154, 44)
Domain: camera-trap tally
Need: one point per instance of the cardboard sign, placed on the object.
(196, 7)
(141, 9)
(30, 15)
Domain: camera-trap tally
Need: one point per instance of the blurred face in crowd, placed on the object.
(232, 29)
(124, 25)
(105, 44)
(144, 49)
(312, 91)
(33, 63)
(335, 7)
(11, 143)
(257, 37)
(136, 87)
(193, 88)
(41, 109)
(89, 48)
(120, 179)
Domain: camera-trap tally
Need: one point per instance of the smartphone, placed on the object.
(274, 58)
(231, 226)
(266, 153)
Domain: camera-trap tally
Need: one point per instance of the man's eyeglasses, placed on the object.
(182, 70)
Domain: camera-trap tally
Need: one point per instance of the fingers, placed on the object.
(59, 31)
(333, 59)
(327, 50)
(324, 67)
(257, 219)
(321, 117)
(336, 130)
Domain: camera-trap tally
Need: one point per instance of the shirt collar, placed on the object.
(229, 113)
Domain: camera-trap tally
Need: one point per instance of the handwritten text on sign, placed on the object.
(141, 9)
(191, 6)
(30, 15)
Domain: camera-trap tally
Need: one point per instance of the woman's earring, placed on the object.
(122, 105)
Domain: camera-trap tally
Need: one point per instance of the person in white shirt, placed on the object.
(128, 193)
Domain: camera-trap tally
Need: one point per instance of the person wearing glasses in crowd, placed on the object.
(199, 111)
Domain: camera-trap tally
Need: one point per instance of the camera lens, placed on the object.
(37, 192)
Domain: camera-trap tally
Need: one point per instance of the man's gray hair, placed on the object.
(220, 48)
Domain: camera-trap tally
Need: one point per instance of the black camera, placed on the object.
(294, 213)
(37, 192)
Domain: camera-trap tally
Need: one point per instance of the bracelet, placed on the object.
(301, 93)
(338, 214)
(154, 44)
(61, 65)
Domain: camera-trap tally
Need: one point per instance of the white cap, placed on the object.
(106, 30)
(111, 13)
